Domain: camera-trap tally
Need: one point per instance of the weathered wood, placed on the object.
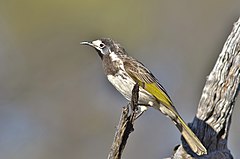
(125, 126)
(213, 117)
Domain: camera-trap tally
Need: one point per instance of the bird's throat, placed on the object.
(99, 53)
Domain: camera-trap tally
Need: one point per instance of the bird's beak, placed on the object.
(86, 43)
(89, 43)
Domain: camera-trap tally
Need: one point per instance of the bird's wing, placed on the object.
(147, 81)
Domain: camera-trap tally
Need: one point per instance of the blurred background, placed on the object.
(55, 102)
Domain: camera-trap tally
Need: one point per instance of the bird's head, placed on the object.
(105, 46)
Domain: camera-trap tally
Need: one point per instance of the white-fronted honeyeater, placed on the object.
(123, 71)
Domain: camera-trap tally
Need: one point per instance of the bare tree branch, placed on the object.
(125, 126)
(213, 117)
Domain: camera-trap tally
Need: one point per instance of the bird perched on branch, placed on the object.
(124, 72)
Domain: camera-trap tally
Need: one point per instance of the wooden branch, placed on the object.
(213, 117)
(125, 126)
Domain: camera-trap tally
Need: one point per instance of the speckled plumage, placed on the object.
(124, 72)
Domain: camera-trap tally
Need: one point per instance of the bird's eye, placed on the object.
(101, 45)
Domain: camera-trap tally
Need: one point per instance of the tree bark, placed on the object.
(213, 118)
(125, 126)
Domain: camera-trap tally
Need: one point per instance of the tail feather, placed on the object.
(192, 140)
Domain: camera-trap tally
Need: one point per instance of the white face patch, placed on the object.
(97, 42)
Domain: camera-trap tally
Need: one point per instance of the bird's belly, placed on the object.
(124, 84)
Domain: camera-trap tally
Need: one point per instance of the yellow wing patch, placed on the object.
(158, 93)
(147, 81)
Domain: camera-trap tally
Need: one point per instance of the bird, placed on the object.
(124, 72)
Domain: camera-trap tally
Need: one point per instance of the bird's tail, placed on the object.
(192, 140)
